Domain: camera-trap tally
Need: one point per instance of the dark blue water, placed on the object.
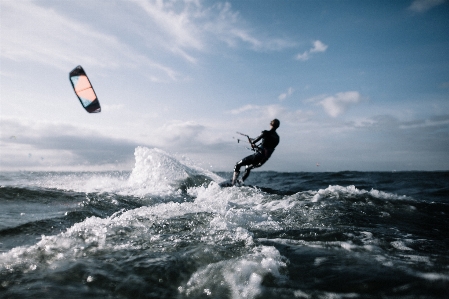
(167, 230)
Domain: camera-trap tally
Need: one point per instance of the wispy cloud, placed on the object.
(33, 32)
(224, 24)
(286, 94)
(38, 34)
(178, 26)
(265, 113)
(421, 6)
(189, 26)
(244, 109)
(440, 121)
(318, 47)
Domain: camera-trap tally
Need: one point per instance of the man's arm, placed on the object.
(257, 139)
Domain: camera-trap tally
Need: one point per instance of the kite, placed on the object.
(84, 91)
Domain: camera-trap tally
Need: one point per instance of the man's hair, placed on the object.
(275, 123)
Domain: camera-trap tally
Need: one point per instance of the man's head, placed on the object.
(275, 123)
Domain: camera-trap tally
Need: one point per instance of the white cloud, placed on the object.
(339, 103)
(284, 95)
(318, 47)
(223, 24)
(304, 56)
(41, 144)
(178, 132)
(421, 6)
(185, 26)
(244, 109)
(33, 33)
(178, 26)
(265, 113)
(441, 121)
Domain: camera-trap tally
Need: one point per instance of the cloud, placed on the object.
(265, 113)
(440, 121)
(318, 47)
(304, 56)
(63, 145)
(177, 133)
(269, 111)
(224, 24)
(52, 37)
(39, 145)
(189, 26)
(284, 95)
(339, 103)
(178, 26)
(244, 109)
(38, 34)
(421, 6)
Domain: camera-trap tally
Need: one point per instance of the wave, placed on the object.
(168, 228)
(211, 221)
(231, 212)
(155, 173)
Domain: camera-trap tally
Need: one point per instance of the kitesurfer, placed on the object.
(270, 139)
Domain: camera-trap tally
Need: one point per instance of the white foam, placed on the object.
(329, 295)
(87, 182)
(337, 191)
(281, 204)
(400, 246)
(241, 277)
(432, 276)
(319, 260)
(228, 224)
(414, 259)
(348, 246)
(301, 294)
(155, 173)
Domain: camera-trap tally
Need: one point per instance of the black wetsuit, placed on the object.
(270, 139)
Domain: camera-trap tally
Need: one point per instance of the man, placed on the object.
(270, 139)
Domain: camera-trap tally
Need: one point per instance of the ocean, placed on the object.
(166, 229)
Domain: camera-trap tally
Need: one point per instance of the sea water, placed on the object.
(167, 230)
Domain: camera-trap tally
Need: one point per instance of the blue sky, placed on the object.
(357, 85)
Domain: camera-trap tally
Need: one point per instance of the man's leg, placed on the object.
(247, 172)
(257, 161)
(235, 176)
(245, 161)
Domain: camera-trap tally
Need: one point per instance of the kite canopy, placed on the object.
(83, 89)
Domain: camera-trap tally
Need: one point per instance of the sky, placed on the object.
(356, 85)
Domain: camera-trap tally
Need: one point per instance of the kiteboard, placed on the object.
(239, 183)
(225, 184)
